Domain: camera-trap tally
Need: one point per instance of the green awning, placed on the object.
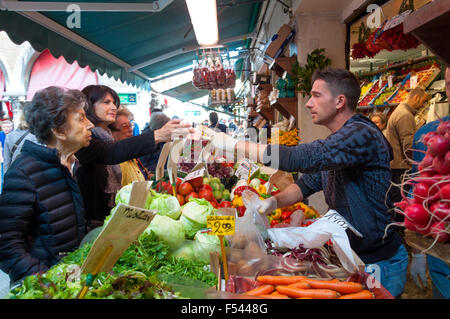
(130, 38)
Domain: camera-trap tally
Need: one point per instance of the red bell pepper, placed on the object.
(239, 190)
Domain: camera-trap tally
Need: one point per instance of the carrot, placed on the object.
(312, 293)
(365, 294)
(261, 290)
(276, 293)
(300, 285)
(304, 298)
(272, 296)
(280, 280)
(343, 287)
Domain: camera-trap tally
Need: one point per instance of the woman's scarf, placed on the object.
(114, 174)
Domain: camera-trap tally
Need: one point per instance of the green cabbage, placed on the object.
(193, 215)
(166, 205)
(186, 251)
(168, 230)
(123, 196)
(204, 244)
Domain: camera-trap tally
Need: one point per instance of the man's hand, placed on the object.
(171, 130)
(418, 269)
(267, 206)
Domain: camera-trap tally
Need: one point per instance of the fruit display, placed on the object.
(297, 215)
(376, 88)
(366, 87)
(288, 138)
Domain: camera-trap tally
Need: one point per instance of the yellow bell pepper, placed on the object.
(262, 189)
(276, 214)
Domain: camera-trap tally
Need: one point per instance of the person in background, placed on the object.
(134, 125)
(41, 208)
(6, 127)
(232, 125)
(149, 161)
(400, 131)
(14, 141)
(351, 167)
(98, 173)
(380, 119)
(122, 129)
(438, 269)
(214, 123)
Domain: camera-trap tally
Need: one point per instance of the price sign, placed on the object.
(337, 218)
(220, 225)
(245, 168)
(413, 81)
(193, 175)
(390, 81)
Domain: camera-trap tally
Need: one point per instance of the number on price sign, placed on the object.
(220, 225)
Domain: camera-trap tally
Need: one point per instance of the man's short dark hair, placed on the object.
(49, 108)
(340, 81)
(95, 93)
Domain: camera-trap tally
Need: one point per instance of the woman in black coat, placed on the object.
(41, 209)
(96, 175)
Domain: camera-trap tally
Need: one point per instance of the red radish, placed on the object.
(447, 158)
(439, 232)
(426, 137)
(410, 225)
(403, 204)
(440, 166)
(420, 192)
(417, 215)
(440, 210)
(443, 193)
(438, 145)
(443, 128)
(426, 161)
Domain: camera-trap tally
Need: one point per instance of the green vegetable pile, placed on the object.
(135, 275)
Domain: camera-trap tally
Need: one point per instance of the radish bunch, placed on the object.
(428, 211)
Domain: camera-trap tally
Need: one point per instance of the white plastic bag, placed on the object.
(315, 236)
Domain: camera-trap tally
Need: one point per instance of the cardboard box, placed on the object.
(279, 41)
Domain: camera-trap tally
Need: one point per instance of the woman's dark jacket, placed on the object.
(41, 212)
(91, 173)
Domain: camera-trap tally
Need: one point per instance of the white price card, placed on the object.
(338, 219)
(390, 81)
(193, 175)
(245, 168)
(413, 82)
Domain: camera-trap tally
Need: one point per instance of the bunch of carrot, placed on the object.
(301, 287)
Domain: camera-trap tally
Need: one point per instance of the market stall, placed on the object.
(161, 241)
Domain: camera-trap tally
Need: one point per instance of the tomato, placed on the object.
(206, 194)
(185, 188)
(206, 187)
(179, 181)
(180, 199)
(213, 203)
(196, 182)
(286, 215)
(225, 203)
(192, 194)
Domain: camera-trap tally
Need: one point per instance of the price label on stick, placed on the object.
(125, 226)
(220, 225)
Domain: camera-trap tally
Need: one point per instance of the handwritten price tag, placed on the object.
(337, 218)
(221, 225)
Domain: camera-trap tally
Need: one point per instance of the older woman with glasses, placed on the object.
(41, 208)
